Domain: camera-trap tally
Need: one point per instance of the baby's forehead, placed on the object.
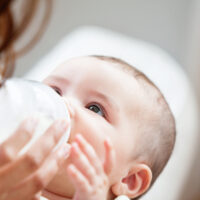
(92, 66)
(108, 77)
(91, 69)
(84, 64)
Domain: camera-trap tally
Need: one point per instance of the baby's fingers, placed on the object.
(90, 153)
(78, 179)
(82, 163)
(109, 156)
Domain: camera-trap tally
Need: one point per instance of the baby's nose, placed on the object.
(70, 107)
(71, 110)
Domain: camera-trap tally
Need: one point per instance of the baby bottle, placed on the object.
(20, 98)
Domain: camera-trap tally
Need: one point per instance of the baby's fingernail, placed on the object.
(62, 124)
(107, 142)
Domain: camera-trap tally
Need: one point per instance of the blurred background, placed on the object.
(173, 25)
(170, 24)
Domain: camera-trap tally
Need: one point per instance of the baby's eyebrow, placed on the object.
(108, 99)
(59, 79)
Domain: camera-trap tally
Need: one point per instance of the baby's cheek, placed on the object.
(61, 183)
(96, 141)
(123, 148)
(92, 127)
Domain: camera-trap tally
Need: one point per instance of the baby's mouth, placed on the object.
(53, 196)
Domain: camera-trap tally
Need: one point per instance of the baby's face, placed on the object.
(104, 101)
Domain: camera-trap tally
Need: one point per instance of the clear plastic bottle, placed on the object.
(20, 98)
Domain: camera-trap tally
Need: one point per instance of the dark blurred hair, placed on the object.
(11, 30)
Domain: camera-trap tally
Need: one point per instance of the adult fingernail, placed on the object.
(62, 124)
(30, 124)
(64, 151)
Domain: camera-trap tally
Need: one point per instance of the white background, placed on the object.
(166, 23)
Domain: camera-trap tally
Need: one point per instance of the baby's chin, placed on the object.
(60, 185)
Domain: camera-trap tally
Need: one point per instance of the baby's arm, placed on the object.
(88, 174)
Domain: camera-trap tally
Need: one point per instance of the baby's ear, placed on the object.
(135, 183)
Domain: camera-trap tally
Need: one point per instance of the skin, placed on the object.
(78, 80)
(23, 177)
(98, 164)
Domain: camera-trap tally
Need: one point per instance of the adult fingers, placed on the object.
(28, 188)
(28, 163)
(11, 147)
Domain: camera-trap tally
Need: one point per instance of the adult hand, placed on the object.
(22, 177)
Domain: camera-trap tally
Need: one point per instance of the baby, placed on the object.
(122, 131)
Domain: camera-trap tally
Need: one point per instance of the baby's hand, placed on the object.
(88, 174)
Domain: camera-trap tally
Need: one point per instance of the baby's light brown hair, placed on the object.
(158, 134)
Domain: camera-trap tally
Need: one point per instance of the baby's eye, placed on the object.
(96, 108)
(57, 90)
